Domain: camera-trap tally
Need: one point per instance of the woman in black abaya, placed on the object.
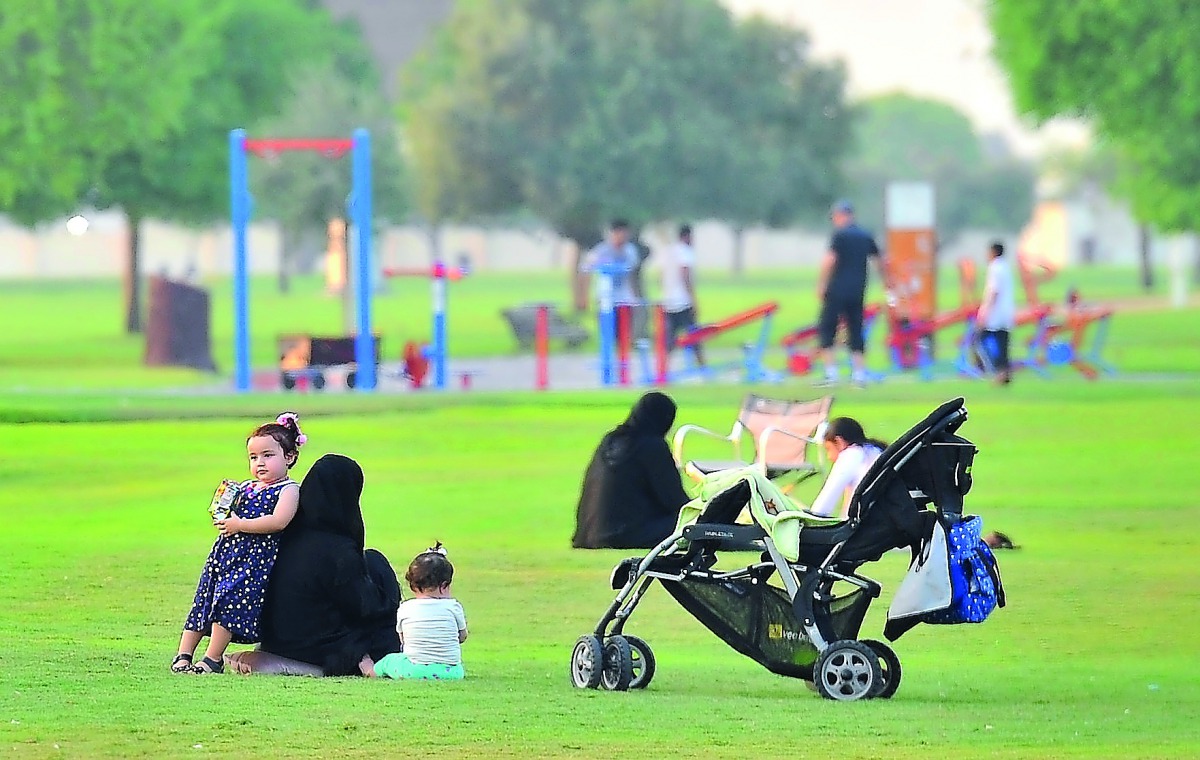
(631, 490)
(328, 601)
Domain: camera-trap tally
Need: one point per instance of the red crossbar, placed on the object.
(332, 147)
(1033, 313)
(701, 334)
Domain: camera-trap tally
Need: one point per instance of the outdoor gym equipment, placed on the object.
(606, 316)
(359, 207)
(910, 341)
(751, 360)
(1072, 348)
(438, 274)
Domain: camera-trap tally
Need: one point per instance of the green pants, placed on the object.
(397, 665)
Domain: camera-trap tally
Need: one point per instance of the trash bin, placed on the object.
(177, 330)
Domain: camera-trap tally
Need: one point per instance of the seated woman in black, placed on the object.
(631, 491)
(328, 602)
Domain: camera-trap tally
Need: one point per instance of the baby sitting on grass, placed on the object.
(431, 624)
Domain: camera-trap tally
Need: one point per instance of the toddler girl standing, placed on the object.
(432, 625)
(229, 596)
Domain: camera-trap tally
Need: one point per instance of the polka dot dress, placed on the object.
(234, 580)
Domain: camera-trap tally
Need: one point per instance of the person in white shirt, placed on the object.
(852, 454)
(997, 314)
(678, 266)
(431, 624)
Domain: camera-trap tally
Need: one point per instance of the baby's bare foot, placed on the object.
(366, 666)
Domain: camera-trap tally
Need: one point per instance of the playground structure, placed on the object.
(1074, 335)
(750, 363)
(1061, 335)
(359, 208)
(618, 343)
(437, 352)
(911, 339)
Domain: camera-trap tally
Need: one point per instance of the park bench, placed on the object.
(523, 321)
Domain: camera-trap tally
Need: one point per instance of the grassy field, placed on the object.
(103, 495)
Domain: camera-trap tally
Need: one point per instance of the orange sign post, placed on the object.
(911, 249)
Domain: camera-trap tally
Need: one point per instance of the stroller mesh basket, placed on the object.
(756, 619)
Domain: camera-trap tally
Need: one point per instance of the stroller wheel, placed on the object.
(617, 672)
(847, 670)
(643, 662)
(889, 664)
(587, 662)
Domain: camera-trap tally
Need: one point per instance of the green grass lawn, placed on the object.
(106, 468)
(106, 533)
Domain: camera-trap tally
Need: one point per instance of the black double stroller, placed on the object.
(783, 610)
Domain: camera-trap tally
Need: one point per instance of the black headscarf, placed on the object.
(327, 602)
(651, 417)
(631, 491)
(329, 499)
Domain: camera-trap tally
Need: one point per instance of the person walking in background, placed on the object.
(677, 268)
(842, 287)
(997, 314)
(618, 251)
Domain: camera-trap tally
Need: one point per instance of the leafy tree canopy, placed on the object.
(1133, 70)
(83, 81)
(902, 137)
(648, 109)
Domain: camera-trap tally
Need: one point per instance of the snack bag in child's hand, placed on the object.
(223, 499)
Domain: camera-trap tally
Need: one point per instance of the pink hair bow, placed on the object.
(294, 418)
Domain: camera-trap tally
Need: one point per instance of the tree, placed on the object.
(648, 109)
(83, 81)
(901, 137)
(305, 191)
(1133, 70)
(184, 177)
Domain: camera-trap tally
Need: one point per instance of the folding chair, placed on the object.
(782, 432)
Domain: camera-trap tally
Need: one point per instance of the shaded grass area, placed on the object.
(106, 533)
(69, 335)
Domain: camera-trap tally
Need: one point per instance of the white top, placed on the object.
(999, 286)
(429, 629)
(851, 465)
(673, 262)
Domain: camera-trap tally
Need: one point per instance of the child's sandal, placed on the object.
(182, 663)
(207, 666)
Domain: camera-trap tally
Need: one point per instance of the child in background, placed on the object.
(229, 596)
(432, 625)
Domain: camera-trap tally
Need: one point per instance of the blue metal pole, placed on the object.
(608, 325)
(439, 325)
(239, 207)
(364, 342)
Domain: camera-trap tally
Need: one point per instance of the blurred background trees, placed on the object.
(1133, 71)
(647, 109)
(900, 137)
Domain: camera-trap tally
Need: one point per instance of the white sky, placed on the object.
(938, 49)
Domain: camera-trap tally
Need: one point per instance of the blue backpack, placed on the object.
(975, 583)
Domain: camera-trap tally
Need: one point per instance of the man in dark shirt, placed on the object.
(842, 286)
